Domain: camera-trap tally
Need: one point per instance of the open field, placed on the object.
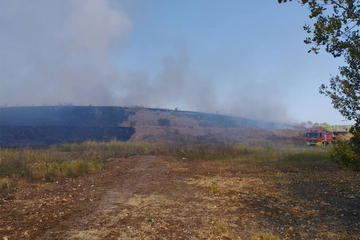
(159, 191)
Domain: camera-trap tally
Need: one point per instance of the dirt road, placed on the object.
(152, 197)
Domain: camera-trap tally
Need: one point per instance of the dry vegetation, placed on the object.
(184, 129)
(120, 190)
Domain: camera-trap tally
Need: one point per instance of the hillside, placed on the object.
(46, 125)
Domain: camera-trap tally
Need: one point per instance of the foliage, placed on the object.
(337, 27)
(327, 127)
(346, 154)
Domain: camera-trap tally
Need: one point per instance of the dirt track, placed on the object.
(151, 197)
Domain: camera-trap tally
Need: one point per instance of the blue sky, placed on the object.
(242, 58)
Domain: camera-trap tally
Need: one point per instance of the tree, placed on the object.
(309, 124)
(326, 126)
(337, 27)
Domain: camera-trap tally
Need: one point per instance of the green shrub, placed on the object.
(343, 153)
(347, 153)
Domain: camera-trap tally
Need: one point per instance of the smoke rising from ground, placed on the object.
(58, 52)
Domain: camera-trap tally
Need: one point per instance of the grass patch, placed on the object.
(49, 164)
(76, 160)
(312, 155)
(51, 171)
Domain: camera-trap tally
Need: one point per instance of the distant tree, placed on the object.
(310, 123)
(326, 126)
(337, 27)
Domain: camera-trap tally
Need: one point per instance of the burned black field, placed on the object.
(45, 126)
(48, 125)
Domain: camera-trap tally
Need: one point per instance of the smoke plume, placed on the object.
(58, 52)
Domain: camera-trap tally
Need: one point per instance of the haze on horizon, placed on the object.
(235, 58)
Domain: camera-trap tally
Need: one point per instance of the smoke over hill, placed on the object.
(63, 52)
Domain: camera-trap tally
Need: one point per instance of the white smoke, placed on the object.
(58, 52)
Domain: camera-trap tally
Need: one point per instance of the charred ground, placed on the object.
(47, 125)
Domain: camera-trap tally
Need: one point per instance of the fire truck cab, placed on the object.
(318, 138)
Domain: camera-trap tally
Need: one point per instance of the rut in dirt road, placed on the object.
(114, 203)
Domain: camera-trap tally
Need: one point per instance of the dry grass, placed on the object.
(75, 160)
(267, 192)
(47, 165)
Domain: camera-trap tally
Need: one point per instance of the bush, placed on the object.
(347, 153)
(343, 153)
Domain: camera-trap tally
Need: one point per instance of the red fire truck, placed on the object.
(318, 138)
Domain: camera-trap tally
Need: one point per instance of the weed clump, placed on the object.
(214, 188)
(7, 188)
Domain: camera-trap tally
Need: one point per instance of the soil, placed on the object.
(155, 197)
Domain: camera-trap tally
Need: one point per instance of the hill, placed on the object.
(47, 125)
